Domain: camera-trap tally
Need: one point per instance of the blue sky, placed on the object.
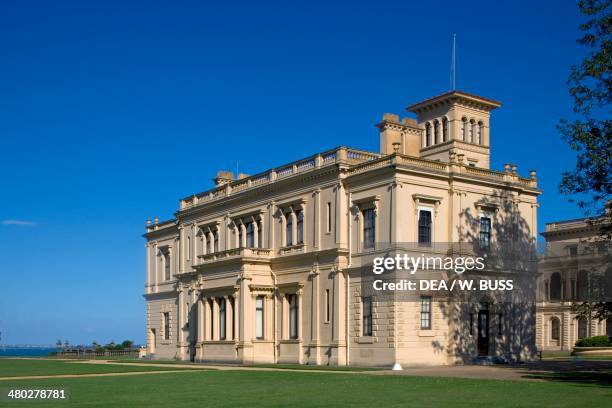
(110, 112)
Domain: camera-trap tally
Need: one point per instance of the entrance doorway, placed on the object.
(483, 332)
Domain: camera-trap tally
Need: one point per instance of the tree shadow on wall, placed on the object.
(491, 323)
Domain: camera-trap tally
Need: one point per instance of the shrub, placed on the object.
(596, 341)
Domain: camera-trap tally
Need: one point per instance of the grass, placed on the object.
(26, 367)
(195, 388)
(299, 389)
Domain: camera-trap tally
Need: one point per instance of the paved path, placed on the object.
(499, 372)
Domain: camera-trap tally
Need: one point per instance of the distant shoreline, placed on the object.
(26, 351)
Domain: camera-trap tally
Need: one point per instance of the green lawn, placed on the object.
(18, 367)
(265, 388)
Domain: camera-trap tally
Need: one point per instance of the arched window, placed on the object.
(471, 139)
(555, 328)
(582, 285)
(582, 328)
(444, 129)
(463, 129)
(555, 286)
(427, 134)
(479, 133)
(436, 131)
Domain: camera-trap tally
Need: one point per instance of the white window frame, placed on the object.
(431, 209)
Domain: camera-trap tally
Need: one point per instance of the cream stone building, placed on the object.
(266, 268)
(566, 271)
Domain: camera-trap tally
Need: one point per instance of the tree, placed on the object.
(589, 134)
(127, 344)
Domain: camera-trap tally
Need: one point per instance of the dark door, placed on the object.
(483, 333)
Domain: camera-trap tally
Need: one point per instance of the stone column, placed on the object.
(255, 232)
(338, 323)
(299, 322)
(211, 242)
(148, 284)
(393, 218)
(194, 244)
(193, 317)
(262, 231)
(156, 266)
(271, 209)
(238, 316)
(207, 319)
(215, 316)
(180, 251)
(181, 323)
(316, 216)
(229, 318)
(341, 208)
(316, 314)
(200, 328)
(294, 237)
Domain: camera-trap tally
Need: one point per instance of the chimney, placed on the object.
(223, 177)
(399, 136)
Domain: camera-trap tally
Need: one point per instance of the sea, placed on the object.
(25, 351)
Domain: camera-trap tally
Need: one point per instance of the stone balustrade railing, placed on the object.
(360, 161)
(327, 158)
(235, 252)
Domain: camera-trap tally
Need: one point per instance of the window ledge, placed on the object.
(426, 333)
(365, 340)
(290, 341)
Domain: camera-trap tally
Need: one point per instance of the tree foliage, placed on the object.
(589, 133)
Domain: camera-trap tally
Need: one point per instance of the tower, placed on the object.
(455, 121)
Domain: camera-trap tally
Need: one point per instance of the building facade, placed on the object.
(574, 257)
(266, 268)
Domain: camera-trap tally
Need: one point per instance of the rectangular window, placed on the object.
(369, 228)
(572, 250)
(250, 235)
(500, 324)
(166, 326)
(299, 215)
(329, 218)
(485, 232)
(366, 305)
(293, 316)
(327, 305)
(260, 234)
(259, 317)
(425, 312)
(424, 227)
(216, 241)
(188, 248)
(288, 229)
(167, 266)
(222, 320)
